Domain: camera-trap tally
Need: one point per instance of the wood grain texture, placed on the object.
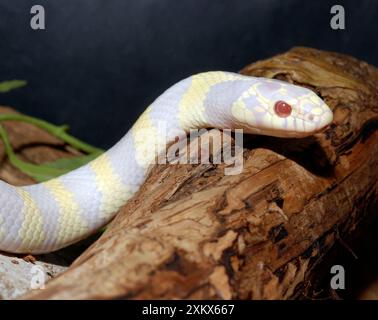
(193, 232)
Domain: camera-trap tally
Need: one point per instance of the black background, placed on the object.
(99, 63)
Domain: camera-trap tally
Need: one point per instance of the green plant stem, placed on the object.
(10, 85)
(39, 172)
(57, 131)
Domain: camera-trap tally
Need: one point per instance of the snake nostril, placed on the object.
(310, 117)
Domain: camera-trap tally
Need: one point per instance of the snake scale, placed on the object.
(45, 217)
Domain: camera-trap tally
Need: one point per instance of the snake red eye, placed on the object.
(282, 109)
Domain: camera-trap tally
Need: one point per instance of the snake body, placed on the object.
(47, 216)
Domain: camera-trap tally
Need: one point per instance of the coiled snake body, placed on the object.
(47, 216)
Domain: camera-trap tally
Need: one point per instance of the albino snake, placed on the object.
(48, 216)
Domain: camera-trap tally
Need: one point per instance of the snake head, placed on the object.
(281, 109)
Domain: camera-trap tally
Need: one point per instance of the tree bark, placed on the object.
(193, 232)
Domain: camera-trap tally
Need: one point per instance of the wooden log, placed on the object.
(194, 232)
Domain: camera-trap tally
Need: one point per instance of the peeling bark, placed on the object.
(193, 232)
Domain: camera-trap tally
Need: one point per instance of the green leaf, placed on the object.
(57, 131)
(38, 172)
(71, 163)
(6, 86)
(53, 169)
(48, 170)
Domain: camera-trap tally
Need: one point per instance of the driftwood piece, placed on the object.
(193, 232)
